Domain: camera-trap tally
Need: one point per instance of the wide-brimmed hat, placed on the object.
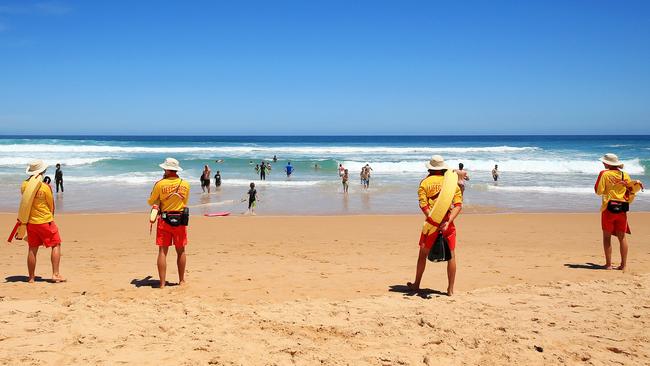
(611, 159)
(436, 163)
(36, 167)
(171, 164)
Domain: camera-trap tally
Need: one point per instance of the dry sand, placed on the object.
(326, 290)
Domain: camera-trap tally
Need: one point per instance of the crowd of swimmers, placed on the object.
(170, 195)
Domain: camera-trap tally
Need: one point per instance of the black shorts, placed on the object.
(205, 182)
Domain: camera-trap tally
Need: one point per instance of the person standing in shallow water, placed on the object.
(462, 176)
(344, 180)
(616, 188)
(263, 171)
(58, 178)
(217, 179)
(495, 173)
(205, 179)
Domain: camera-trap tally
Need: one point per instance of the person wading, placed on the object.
(171, 195)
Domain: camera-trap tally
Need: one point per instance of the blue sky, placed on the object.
(324, 67)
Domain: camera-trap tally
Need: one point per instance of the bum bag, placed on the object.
(177, 218)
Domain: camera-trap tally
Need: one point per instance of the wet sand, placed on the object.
(329, 290)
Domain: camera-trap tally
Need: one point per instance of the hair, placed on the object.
(460, 166)
(58, 165)
(47, 180)
(252, 185)
(433, 171)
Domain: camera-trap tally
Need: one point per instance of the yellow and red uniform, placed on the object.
(428, 192)
(611, 185)
(41, 229)
(171, 194)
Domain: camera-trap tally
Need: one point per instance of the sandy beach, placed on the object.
(329, 290)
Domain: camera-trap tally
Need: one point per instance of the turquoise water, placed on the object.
(115, 174)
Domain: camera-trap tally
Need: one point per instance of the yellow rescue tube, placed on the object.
(26, 201)
(636, 187)
(153, 215)
(443, 203)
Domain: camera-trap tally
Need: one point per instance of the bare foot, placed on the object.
(181, 283)
(607, 267)
(161, 285)
(31, 280)
(620, 268)
(58, 278)
(450, 292)
(412, 286)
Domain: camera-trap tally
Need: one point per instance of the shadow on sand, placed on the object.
(150, 282)
(425, 293)
(25, 278)
(587, 265)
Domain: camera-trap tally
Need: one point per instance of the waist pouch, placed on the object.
(618, 207)
(177, 218)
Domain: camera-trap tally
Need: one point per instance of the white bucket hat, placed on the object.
(171, 164)
(36, 167)
(436, 163)
(611, 159)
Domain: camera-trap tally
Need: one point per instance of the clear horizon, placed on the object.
(368, 68)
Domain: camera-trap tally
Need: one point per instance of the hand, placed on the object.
(444, 226)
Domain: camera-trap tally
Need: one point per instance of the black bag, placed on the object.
(440, 251)
(618, 207)
(177, 218)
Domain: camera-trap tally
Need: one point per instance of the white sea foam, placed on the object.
(252, 150)
(517, 166)
(547, 189)
(542, 189)
(127, 178)
(24, 160)
(152, 177)
(272, 183)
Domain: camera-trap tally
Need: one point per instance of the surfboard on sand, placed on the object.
(216, 214)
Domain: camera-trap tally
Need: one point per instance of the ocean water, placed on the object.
(115, 174)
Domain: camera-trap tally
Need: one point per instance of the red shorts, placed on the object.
(426, 241)
(167, 235)
(614, 222)
(43, 234)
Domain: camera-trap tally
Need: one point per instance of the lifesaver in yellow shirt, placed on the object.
(26, 201)
(443, 202)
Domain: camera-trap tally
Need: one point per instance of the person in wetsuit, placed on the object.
(263, 171)
(217, 179)
(252, 199)
(58, 178)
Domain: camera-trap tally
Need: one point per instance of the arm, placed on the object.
(154, 197)
(457, 207)
(186, 197)
(599, 187)
(452, 216)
